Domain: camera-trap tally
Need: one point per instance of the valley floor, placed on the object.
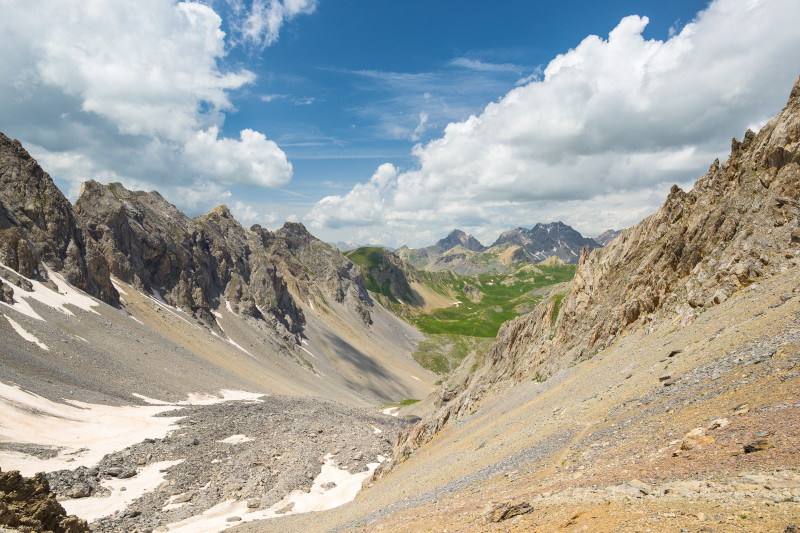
(693, 428)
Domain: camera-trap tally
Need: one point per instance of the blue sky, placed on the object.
(391, 122)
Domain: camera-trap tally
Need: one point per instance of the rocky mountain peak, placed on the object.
(37, 225)
(609, 235)
(221, 211)
(458, 237)
(546, 240)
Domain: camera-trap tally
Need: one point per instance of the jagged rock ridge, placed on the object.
(195, 263)
(547, 240)
(37, 225)
(738, 223)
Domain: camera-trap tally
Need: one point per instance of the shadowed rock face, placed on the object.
(37, 224)
(195, 263)
(738, 223)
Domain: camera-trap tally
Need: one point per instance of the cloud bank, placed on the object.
(597, 140)
(135, 92)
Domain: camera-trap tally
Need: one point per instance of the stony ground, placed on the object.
(290, 437)
(692, 428)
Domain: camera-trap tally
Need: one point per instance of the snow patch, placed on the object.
(309, 353)
(91, 509)
(66, 295)
(391, 411)
(84, 432)
(27, 336)
(225, 395)
(118, 285)
(174, 310)
(236, 439)
(377, 431)
(317, 499)
(227, 337)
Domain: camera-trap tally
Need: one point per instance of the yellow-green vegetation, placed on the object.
(402, 403)
(379, 271)
(502, 297)
(441, 354)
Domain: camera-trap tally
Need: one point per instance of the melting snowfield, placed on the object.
(58, 300)
(343, 488)
(81, 434)
(123, 493)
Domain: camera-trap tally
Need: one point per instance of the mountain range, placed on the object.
(464, 254)
(169, 373)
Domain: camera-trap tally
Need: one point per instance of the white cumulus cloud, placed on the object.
(259, 23)
(617, 118)
(135, 91)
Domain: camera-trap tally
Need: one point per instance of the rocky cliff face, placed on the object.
(315, 270)
(737, 224)
(546, 240)
(195, 263)
(37, 226)
(385, 273)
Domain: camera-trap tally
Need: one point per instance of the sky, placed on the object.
(394, 122)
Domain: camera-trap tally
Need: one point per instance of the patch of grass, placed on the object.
(442, 353)
(540, 378)
(557, 300)
(366, 256)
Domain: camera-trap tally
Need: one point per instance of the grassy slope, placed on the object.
(455, 331)
(500, 302)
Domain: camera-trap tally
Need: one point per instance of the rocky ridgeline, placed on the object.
(737, 224)
(147, 242)
(37, 225)
(546, 240)
(195, 263)
(27, 505)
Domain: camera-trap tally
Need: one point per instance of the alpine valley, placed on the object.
(166, 373)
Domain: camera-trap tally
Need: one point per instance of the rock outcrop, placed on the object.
(28, 505)
(737, 224)
(456, 239)
(37, 225)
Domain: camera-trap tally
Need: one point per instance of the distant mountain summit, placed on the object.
(547, 240)
(458, 237)
(464, 254)
(607, 236)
